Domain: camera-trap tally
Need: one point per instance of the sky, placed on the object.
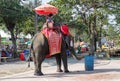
(45, 1)
(26, 2)
(3, 34)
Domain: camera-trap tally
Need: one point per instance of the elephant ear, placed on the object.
(65, 29)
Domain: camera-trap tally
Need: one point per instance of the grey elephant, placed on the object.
(40, 48)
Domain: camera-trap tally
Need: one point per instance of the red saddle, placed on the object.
(54, 40)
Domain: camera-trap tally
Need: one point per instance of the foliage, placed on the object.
(89, 15)
(66, 15)
(12, 14)
(86, 18)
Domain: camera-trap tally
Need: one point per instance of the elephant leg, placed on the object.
(33, 57)
(58, 60)
(35, 63)
(64, 59)
(39, 59)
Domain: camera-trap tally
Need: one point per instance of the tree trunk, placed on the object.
(92, 48)
(95, 33)
(14, 44)
(10, 26)
(91, 34)
(100, 35)
(95, 43)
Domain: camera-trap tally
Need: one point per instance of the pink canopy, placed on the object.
(46, 9)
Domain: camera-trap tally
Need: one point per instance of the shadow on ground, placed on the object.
(63, 75)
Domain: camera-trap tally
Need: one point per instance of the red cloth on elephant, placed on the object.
(54, 41)
(65, 29)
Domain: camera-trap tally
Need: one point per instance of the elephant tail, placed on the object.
(31, 47)
(32, 54)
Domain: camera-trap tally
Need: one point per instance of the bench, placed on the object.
(4, 58)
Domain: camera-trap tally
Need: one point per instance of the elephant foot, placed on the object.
(60, 70)
(66, 71)
(38, 74)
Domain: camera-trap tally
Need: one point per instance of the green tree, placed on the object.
(66, 15)
(88, 12)
(12, 13)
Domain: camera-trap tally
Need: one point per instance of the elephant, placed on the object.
(40, 48)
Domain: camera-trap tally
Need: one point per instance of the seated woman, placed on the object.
(7, 50)
(49, 18)
(3, 54)
(48, 24)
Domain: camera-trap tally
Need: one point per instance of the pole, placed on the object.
(36, 19)
(36, 23)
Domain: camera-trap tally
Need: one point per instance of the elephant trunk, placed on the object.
(78, 57)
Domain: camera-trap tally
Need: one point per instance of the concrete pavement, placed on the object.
(104, 70)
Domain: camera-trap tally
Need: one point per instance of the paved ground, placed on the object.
(104, 70)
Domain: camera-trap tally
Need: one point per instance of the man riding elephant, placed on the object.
(53, 43)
